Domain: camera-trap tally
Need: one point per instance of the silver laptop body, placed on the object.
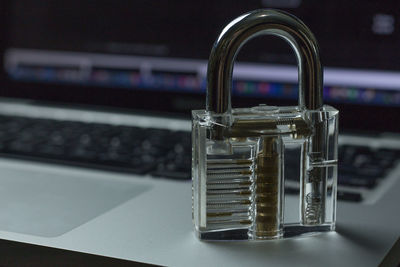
(145, 219)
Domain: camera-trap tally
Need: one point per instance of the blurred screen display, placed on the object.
(164, 45)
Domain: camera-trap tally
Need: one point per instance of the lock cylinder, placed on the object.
(267, 207)
(238, 160)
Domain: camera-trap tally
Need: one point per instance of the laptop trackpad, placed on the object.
(49, 201)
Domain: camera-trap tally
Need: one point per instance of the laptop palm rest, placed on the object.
(48, 201)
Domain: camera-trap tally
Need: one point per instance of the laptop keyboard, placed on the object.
(122, 148)
(157, 152)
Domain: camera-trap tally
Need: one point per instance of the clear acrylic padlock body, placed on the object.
(239, 175)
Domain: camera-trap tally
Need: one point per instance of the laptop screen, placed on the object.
(147, 47)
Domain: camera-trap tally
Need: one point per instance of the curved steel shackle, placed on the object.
(263, 22)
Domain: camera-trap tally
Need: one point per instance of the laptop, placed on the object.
(95, 127)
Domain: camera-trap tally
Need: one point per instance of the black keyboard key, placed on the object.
(361, 166)
(387, 157)
(354, 181)
(172, 174)
(81, 154)
(346, 154)
(20, 147)
(355, 155)
(175, 165)
(371, 171)
(349, 196)
(368, 170)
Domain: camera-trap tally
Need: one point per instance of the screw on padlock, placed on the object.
(238, 154)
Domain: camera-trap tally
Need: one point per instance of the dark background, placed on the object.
(187, 29)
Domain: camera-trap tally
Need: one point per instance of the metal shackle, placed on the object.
(248, 26)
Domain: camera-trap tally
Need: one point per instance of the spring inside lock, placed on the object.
(314, 198)
(228, 190)
(313, 209)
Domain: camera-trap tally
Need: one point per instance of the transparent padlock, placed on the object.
(239, 154)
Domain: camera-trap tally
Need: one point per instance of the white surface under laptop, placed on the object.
(149, 220)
